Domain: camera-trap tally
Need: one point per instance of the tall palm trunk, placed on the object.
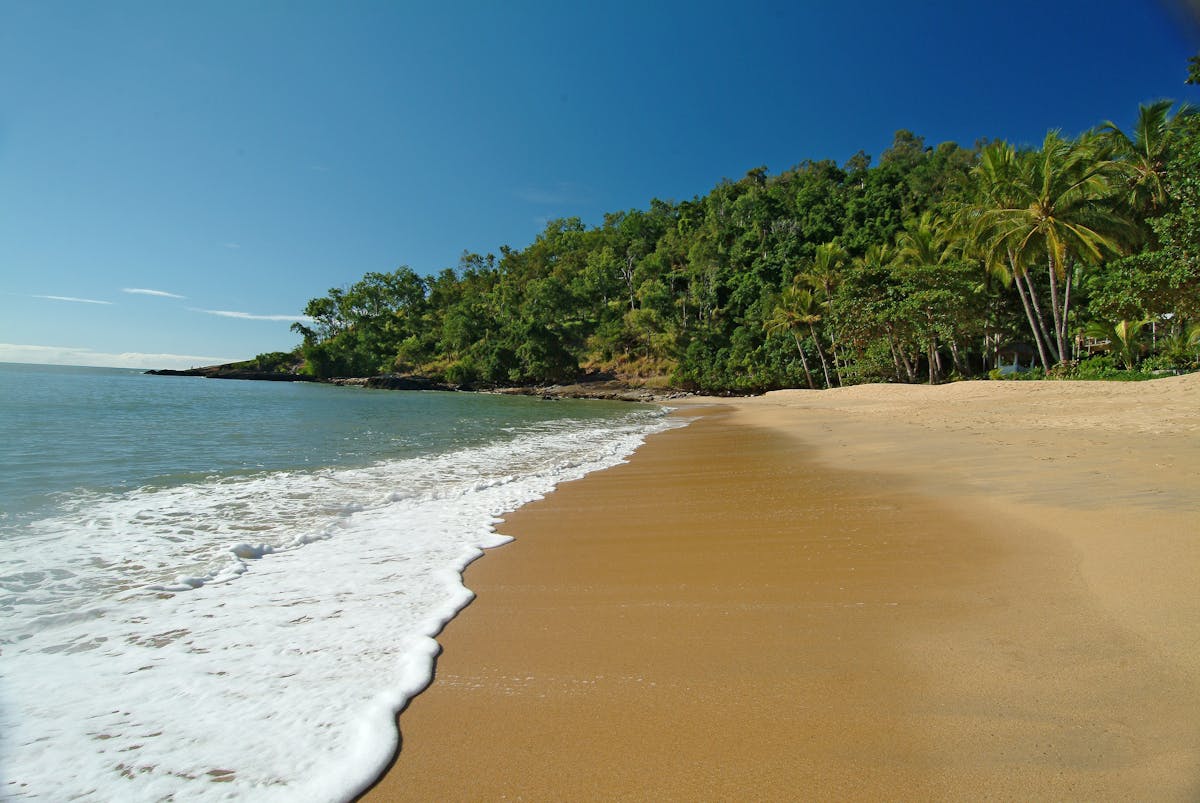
(821, 354)
(931, 352)
(908, 368)
(1066, 313)
(896, 361)
(1059, 323)
(1029, 301)
(837, 371)
(803, 361)
(956, 358)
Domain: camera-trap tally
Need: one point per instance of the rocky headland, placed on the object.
(596, 385)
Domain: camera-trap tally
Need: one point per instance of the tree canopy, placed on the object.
(928, 265)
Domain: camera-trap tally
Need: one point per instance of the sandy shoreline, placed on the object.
(969, 591)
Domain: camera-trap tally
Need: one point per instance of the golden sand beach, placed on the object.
(985, 590)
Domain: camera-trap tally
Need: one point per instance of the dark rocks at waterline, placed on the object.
(393, 382)
(585, 388)
(611, 390)
(382, 382)
(235, 373)
(592, 386)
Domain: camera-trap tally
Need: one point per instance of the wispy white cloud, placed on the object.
(72, 298)
(70, 355)
(564, 192)
(250, 316)
(233, 246)
(141, 291)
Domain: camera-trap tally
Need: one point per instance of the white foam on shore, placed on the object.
(252, 638)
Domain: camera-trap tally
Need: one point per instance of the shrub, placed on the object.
(463, 372)
(280, 361)
(1104, 367)
(1018, 376)
(1164, 363)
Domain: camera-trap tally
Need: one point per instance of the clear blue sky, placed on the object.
(246, 156)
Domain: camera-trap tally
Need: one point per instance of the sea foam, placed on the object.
(252, 637)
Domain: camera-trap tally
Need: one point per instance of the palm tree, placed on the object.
(799, 308)
(963, 242)
(1052, 212)
(1182, 345)
(1124, 338)
(876, 305)
(922, 244)
(1143, 157)
(824, 273)
(923, 241)
(995, 186)
(809, 307)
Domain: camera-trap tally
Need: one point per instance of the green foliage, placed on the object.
(1035, 373)
(284, 362)
(278, 361)
(318, 360)
(1178, 348)
(1165, 364)
(871, 365)
(463, 372)
(914, 269)
(1126, 339)
(1164, 275)
(1105, 367)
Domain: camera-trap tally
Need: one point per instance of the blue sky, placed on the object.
(178, 179)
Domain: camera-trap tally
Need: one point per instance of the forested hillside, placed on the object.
(933, 263)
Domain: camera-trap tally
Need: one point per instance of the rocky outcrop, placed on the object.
(586, 388)
(392, 382)
(221, 372)
(591, 386)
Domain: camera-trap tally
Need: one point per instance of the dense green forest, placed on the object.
(1078, 256)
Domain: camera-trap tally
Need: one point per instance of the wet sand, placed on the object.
(984, 590)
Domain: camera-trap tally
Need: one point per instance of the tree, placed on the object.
(868, 302)
(921, 248)
(1164, 277)
(824, 273)
(1124, 338)
(860, 255)
(795, 311)
(1052, 212)
(1143, 157)
(1182, 344)
(995, 185)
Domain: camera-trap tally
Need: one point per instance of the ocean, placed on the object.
(224, 590)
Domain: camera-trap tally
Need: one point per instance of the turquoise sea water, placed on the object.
(110, 429)
(222, 589)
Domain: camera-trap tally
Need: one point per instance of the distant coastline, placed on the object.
(589, 386)
(229, 372)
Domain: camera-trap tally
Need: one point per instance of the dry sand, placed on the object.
(985, 590)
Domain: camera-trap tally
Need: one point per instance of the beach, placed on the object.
(984, 590)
